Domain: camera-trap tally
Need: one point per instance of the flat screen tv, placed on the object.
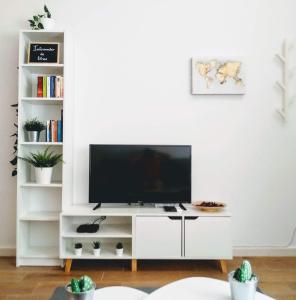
(139, 173)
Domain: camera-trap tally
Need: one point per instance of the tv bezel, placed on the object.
(141, 145)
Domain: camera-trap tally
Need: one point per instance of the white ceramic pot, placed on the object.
(48, 23)
(242, 290)
(119, 252)
(97, 252)
(78, 251)
(43, 175)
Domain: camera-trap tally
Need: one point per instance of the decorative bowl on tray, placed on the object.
(210, 206)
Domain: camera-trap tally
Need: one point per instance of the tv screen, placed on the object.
(139, 173)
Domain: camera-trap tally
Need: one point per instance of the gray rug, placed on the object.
(60, 293)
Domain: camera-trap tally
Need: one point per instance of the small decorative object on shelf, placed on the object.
(96, 248)
(42, 21)
(243, 283)
(33, 127)
(82, 288)
(78, 249)
(47, 21)
(43, 163)
(119, 249)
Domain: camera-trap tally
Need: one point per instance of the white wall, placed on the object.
(133, 86)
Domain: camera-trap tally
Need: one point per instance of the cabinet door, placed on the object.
(158, 237)
(208, 238)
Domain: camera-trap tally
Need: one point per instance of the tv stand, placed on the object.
(97, 206)
(182, 206)
(149, 233)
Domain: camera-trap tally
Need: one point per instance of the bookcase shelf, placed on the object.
(41, 143)
(33, 184)
(38, 205)
(43, 101)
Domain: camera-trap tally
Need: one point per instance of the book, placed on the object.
(48, 87)
(48, 131)
(62, 121)
(62, 87)
(54, 131)
(52, 86)
(44, 86)
(59, 130)
(39, 86)
(58, 86)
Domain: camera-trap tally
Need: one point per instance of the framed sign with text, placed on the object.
(43, 52)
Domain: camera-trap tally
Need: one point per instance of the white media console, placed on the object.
(148, 233)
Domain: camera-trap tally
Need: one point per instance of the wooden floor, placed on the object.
(277, 275)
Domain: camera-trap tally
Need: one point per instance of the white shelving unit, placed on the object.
(38, 205)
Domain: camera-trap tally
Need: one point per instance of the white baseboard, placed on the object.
(263, 251)
(237, 251)
(7, 251)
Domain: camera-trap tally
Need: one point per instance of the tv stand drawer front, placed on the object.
(208, 238)
(158, 237)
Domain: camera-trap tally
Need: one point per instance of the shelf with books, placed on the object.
(43, 101)
(42, 143)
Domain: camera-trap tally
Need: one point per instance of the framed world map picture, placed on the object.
(216, 76)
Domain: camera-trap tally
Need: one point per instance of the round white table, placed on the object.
(197, 288)
(119, 292)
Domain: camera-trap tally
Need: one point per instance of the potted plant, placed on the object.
(33, 127)
(96, 248)
(43, 162)
(243, 283)
(47, 21)
(79, 289)
(78, 249)
(119, 249)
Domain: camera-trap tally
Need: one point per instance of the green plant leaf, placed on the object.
(14, 161)
(35, 18)
(40, 26)
(14, 172)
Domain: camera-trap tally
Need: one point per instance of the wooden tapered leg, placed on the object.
(134, 265)
(222, 265)
(68, 265)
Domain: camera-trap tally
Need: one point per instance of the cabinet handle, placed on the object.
(175, 218)
(191, 218)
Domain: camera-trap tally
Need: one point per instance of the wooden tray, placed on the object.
(210, 208)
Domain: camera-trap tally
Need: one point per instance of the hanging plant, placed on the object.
(40, 21)
(15, 135)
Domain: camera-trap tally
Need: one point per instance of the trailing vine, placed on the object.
(13, 162)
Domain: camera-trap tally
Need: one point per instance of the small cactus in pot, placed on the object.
(243, 283)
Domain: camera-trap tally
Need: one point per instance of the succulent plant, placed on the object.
(78, 246)
(119, 246)
(43, 159)
(75, 285)
(34, 125)
(96, 245)
(244, 272)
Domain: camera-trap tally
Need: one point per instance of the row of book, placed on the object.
(50, 86)
(54, 131)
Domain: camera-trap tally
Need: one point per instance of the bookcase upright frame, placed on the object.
(38, 205)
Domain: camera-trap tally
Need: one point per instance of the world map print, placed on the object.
(217, 76)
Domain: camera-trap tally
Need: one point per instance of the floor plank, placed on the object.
(277, 275)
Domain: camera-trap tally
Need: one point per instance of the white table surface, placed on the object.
(119, 292)
(197, 288)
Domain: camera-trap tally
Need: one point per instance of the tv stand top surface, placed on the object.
(126, 210)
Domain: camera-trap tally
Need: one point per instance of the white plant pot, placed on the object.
(242, 290)
(97, 252)
(43, 175)
(48, 23)
(78, 252)
(119, 252)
